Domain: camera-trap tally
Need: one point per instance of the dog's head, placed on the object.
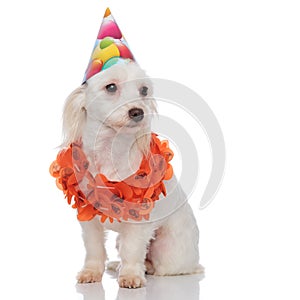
(119, 98)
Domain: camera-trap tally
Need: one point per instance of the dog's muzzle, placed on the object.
(136, 114)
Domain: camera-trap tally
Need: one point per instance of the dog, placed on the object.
(111, 114)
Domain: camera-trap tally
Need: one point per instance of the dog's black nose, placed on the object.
(136, 114)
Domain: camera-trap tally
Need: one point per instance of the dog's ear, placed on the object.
(74, 115)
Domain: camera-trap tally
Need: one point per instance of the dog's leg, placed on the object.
(133, 242)
(175, 248)
(94, 265)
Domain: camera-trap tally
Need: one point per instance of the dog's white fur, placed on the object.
(115, 145)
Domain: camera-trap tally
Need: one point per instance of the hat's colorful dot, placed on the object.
(106, 42)
(108, 52)
(96, 52)
(124, 51)
(109, 29)
(113, 61)
(94, 67)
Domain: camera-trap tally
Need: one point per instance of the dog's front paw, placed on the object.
(131, 281)
(89, 275)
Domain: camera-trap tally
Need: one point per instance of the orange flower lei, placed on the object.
(133, 198)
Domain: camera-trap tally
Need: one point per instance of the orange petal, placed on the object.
(54, 169)
(64, 158)
(164, 191)
(69, 198)
(100, 180)
(149, 192)
(86, 213)
(58, 184)
(146, 217)
(72, 180)
(125, 190)
(103, 218)
(169, 172)
(137, 191)
(146, 206)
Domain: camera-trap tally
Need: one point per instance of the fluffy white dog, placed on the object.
(111, 114)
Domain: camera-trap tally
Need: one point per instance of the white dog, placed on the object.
(111, 115)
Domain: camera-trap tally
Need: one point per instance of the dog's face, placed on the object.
(120, 98)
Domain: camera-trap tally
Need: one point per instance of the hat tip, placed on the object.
(107, 12)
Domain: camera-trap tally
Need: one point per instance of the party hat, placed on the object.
(110, 48)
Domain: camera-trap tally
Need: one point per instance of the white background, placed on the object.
(242, 57)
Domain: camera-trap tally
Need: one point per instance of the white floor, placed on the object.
(62, 286)
(158, 288)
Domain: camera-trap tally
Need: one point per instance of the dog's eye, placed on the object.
(144, 91)
(111, 88)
